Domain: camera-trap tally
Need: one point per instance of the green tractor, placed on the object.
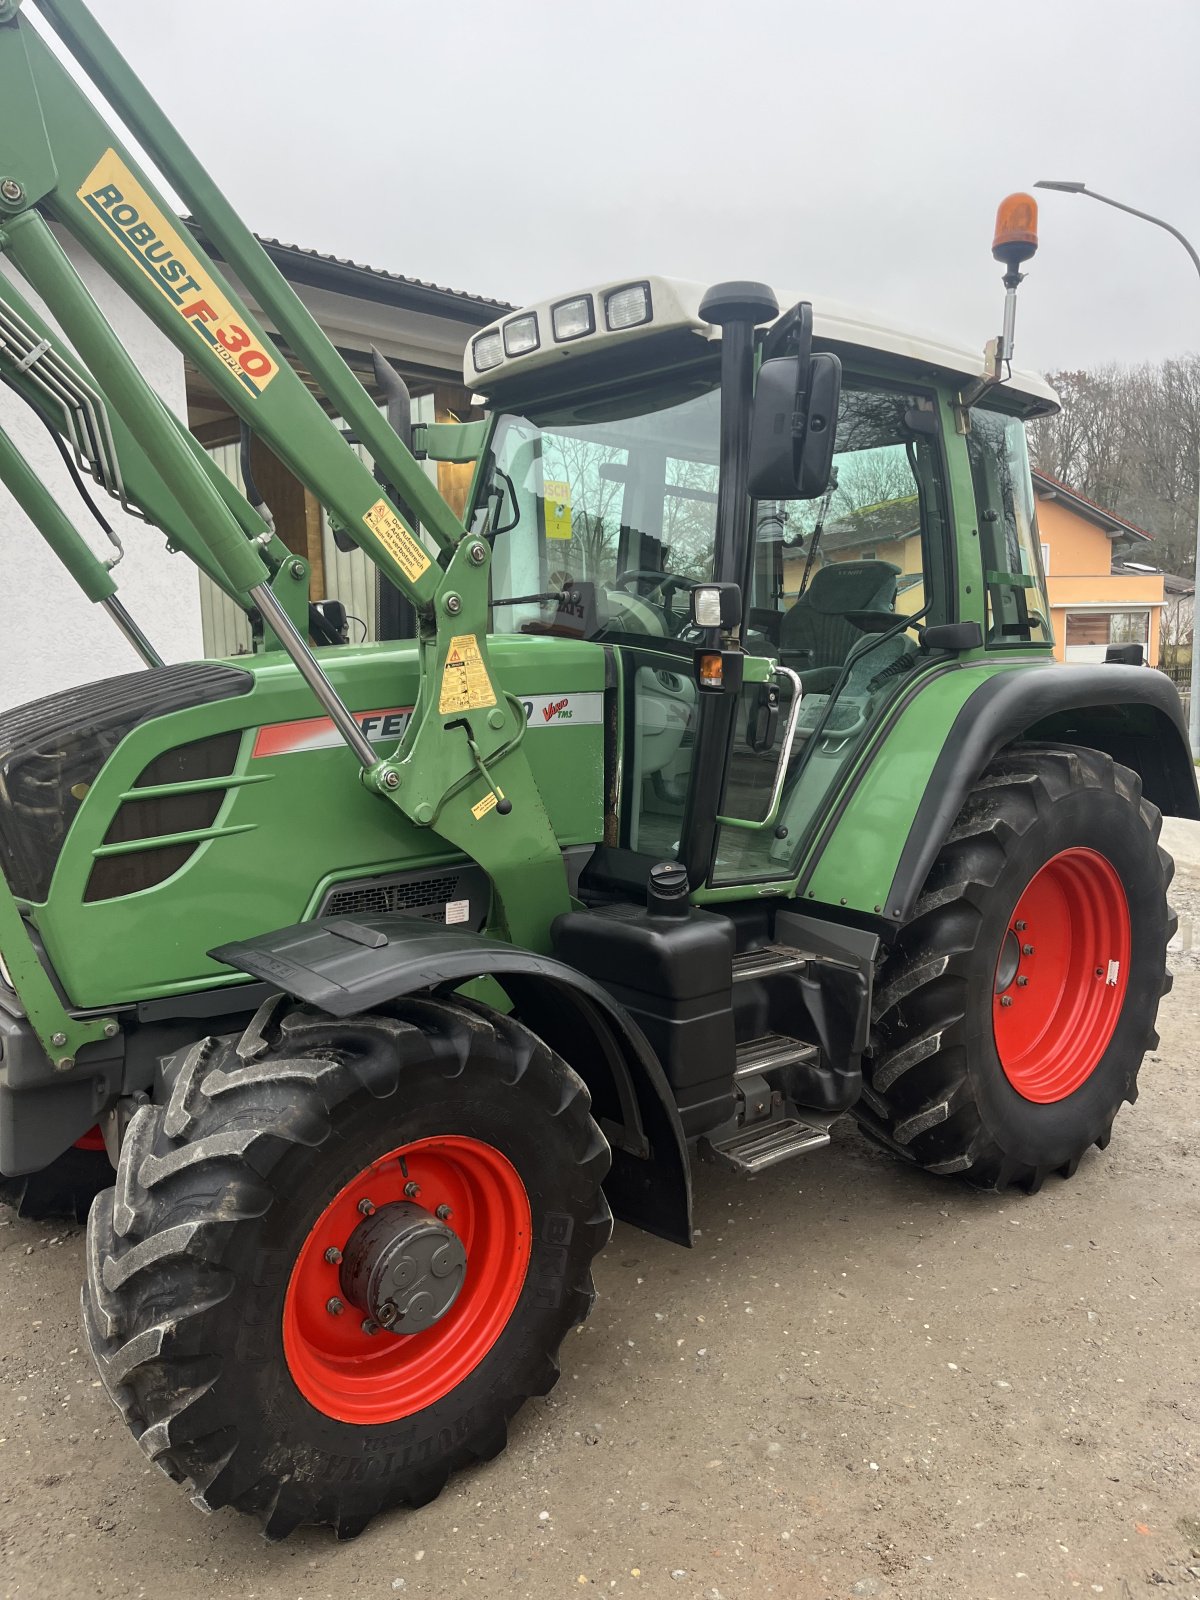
(727, 785)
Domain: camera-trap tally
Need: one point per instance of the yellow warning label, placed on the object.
(396, 540)
(558, 509)
(465, 683)
(151, 241)
(481, 807)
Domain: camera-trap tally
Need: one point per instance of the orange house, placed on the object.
(1091, 605)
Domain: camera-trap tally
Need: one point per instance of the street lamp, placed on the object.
(1065, 187)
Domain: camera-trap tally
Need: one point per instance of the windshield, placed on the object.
(603, 514)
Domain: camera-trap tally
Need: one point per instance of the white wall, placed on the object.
(51, 638)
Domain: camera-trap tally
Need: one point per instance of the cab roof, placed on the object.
(675, 304)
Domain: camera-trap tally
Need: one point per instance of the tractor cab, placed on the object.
(600, 494)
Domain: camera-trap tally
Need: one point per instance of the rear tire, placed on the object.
(947, 1085)
(205, 1303)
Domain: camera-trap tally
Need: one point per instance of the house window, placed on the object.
(1102, 628)
(1129, 627)
(1045, 558)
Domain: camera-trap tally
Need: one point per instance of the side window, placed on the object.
(828, 573)
(1018, 611)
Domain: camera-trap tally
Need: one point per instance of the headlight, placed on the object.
(487, 351)
(573, 318)
(706, 607)
(716, 605)
(521, 335)
(625, 308)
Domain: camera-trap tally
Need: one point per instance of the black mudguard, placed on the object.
(1133, 714)
(346, 967)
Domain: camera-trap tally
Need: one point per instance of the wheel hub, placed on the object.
(438, 1229)
(403, 1267)
(1061, 975)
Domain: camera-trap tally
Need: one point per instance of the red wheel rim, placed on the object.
(366, 1378)
(93, 1139)
(1061, 975)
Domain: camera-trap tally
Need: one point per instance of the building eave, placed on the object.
(1115, 527)
(340, 275)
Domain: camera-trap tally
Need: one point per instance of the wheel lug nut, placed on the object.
(1026, 949)
(443, 1213)
(412, 1190)
(1006, 999)
(1022, 983)
(1019, 926)
(333, 1255)
(366, 1207)
(369, 1325)
(334, 1306)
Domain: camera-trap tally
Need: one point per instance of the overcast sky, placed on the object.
(854, 149)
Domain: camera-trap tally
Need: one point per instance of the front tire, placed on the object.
(1013, 1014)
(217, 1304)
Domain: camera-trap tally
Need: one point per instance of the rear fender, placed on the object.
(1133, 714)
(348, 967)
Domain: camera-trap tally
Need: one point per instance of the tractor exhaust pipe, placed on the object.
(394, 615)
(397, 396)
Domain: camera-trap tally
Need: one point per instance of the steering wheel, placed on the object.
(661, 590)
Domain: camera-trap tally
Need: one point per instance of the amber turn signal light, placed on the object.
(1016, 229)
(711, 670)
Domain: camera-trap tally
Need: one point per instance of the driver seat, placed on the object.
(816, 636)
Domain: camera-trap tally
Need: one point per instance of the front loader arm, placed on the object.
(461, 768)
(40, 367)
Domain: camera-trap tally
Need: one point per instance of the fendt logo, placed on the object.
(380, 725)
(387, 726)
(319, 733)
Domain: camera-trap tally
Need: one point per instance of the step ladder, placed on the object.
(766, 1139)
(765, 1144)
(767, 961)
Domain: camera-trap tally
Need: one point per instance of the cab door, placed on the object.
(840, 586)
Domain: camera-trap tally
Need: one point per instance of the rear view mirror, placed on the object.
(794, 427)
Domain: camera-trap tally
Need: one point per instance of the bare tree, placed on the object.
(1128, 438)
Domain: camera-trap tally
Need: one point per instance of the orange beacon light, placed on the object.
(1016, 230)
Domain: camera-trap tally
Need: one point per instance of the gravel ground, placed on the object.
(862, 1381)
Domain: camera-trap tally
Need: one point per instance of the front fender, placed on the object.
(348, 967)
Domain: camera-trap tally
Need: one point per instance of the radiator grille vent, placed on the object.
(355, 899)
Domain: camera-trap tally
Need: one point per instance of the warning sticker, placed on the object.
(396, 540)
(465, 683)
(557, 502)
(481, 807)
